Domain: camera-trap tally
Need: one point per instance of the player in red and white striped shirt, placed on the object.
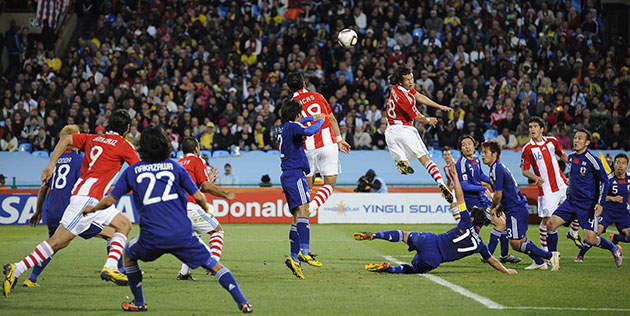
(403, 140)
(450, 163)
(104, 155)
(540, 155)
(203, 223)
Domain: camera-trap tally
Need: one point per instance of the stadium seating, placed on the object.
(26, 147)
(220, 153)
(41, 154)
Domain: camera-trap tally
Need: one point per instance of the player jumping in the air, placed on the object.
(588, 187)
(403, 140)
(203, 223)
(159, 188)
(295, 167)
(461, 241)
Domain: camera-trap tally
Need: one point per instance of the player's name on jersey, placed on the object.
(153, 167)
(107, 141)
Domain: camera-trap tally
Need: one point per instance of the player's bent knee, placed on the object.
(121, 224)
(214, 269)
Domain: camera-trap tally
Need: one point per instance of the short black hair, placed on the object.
(119, 122)
(621, 155)
(494, 147)
(189, 144)
(589, 136)
(154, 145)
(479, 216)
(466, 136)
(290, 110)
(295, 81)
(538, 120)
(397, 77)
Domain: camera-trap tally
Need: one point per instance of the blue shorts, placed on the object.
(295, 188)
(516, 223)
(621, 219)
(428, 255)
(92, 231)
(194, 255)
(584, 212)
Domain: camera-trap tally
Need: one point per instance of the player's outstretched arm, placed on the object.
(459, 194)
(201, 200)
(425, 100)
(41, 197)
(497, 265)
(342, 144)
(54, 157)
(426, 120)
(211, 188)
(101, 205)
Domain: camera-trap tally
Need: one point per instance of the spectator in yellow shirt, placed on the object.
(249, 57)
(53, 62)
(205, 141)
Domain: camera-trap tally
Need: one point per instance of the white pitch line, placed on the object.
(455, 288)
(602, 309)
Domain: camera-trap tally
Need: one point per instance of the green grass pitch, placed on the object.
(70, 285)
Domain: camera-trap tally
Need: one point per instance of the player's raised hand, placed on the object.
(37, 216)
(212, 175)
(344, 147)
(230, 195)
(47, 173)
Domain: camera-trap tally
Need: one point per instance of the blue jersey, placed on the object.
(159, 193)
(618, 187)
(588, 181)
(501, 179)
(470, 177)
(67, 171)
(291, 143)
(462, 240)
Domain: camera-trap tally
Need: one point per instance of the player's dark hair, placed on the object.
(479, 216)
(295, 81)
(589, 136)
(466, 136)
(621, 155)
(538, 120)
(290, 110)
(154, 145)
(119, 122)
(397, 77)
(189, 144)
(493, 146)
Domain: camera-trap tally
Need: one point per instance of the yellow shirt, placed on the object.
(250, 60)
(202, 18)
(54, 64)
(206, 140)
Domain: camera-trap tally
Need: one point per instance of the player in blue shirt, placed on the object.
(159, 188)
(295, 167)
(507, 196)
(461, 241)
(471, 177)
(54, 196)
(588, 185)
(616, 208)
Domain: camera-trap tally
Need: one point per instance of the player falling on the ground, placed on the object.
(470, 177)
(203, 223)
(104, 155)
(448, 163)
(540, 154)
(53, 197)
(322, 148)
(431, 250)
(294, 169)
(403, 140)
(508, 196)
(159, 188)
(616, 208)
(588, 185)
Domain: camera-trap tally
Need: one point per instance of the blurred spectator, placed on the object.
(345, 134)
(206, 139)
(134, 135)
(262, 139)
(506, 140)
(265, 181)
(223, 140)
(378, 139)
(228, 178)
(362, 139)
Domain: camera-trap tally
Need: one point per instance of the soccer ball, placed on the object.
(347, 38)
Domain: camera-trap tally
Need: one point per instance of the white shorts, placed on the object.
(202, 222)
(324, 160)
(548, 203)
(74, 221)
(404, 142)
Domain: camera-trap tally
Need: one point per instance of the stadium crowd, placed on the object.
(216, 70)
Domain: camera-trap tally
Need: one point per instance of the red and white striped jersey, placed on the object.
(447, 172)
(541, 156)
(197, 169)
(314, 103)
(104, 155)
(401, 107)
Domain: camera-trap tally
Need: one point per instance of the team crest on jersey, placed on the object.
(582, 170)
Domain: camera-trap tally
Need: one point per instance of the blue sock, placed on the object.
(134, 274)
(37, 269)
(494, 240)
(390, 235)
(294, 237)
(605, 244)
(304, 232)
(585, 247)
(401, 269)
(620, 238)
(505, 244)
(534, 251)
(552, 240)
(227, 281)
